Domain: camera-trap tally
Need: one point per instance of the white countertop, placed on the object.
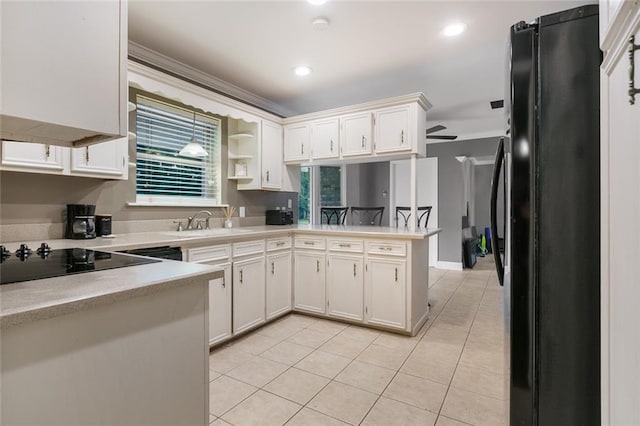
(221, 235)
(40, 299)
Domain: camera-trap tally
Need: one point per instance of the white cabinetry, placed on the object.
(248, 293)
(345, 286)
(106, 159)
(296, 142)
(34, 157)
(325, 135)
(63, 71)
(386, 292)
(278, 278)
(309, 277)
(357, 132)
(220, 305)
(620, 210)
(392, 129)
(271, 146)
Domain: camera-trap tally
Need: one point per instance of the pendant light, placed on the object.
(193, 148)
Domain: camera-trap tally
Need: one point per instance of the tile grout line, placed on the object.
(484, 290)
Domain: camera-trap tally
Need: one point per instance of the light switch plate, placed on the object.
(241, 211)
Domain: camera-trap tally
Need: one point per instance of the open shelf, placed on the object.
(240, 157)
(239, 136)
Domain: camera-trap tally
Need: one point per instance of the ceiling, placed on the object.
(371, 50)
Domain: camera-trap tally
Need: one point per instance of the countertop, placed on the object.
(46, 298)
(41, 299)
(221, 235)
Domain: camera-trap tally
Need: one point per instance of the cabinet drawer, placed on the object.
(311, 243)
(387, 248)
(278, 243)
(248, 247)
(352, 246)
(209, 253)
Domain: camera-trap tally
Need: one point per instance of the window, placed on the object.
(163, 177)
(320, 186)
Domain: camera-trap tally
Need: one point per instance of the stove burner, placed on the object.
(23, 252)
(4, 253)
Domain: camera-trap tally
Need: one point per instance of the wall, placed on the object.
(450, 190)
(30, 198)
(482, 189)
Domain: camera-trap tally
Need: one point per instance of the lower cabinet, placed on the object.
(278, 282)
(309, 275)
(248, 293)
(386, 292)
(345, 286)
(220, 305)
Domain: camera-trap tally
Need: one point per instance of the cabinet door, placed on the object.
(33, 157)
(220, 305)
(296, 143)
(65, 64)
(310, 282)
(271, 155)
(392, 127)
(620, 198)
(248, 294)
(356, 134)
(345, 285)
(278, 284)
(386, 293)
(325, 138)
(106, 159)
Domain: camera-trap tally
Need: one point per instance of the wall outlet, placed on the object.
(289, 204)
(241, 211)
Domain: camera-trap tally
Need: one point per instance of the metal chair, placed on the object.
(405, 213)
(333, 215)
(367, 216)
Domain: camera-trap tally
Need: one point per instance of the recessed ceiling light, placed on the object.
(317, 2)
(302, 70)
(454, 29)
(320, 24)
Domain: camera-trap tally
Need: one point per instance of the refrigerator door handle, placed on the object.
(494, 211)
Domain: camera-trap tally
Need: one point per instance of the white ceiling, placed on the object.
(371, 50)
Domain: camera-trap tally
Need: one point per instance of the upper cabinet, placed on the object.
(271, 155)
(34, 158)
(63, 71)
(392, 130)
(106, 160)
(376, 131)
(325, 136)
(357, 132)
(296, 143)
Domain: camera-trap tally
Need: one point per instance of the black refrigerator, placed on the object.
(549, 162)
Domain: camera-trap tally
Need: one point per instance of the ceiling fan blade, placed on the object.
(443, 137)
(435, 128)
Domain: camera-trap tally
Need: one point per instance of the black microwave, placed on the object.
(279, 217)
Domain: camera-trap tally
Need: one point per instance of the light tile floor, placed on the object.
(302, 370)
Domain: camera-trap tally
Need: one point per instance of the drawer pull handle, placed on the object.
(279, 243)
(362, 141)
(386, 248)
(345, 245)
(317, 266)
(241, 280)
(273, 268)
(402, 137)
(309, 243)
(396, 274)
(354, 269)
(632, 69)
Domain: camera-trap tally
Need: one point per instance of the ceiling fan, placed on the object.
(440, 137)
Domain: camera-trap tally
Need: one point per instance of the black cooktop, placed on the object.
(26, 264)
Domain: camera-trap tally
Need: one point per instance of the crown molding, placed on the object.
(149, 57)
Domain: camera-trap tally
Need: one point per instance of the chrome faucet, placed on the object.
(190, 220)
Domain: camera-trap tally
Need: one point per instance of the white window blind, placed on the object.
(162, 175)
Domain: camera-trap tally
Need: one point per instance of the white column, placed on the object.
(414, 192)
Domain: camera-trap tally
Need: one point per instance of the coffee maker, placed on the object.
(81, 221)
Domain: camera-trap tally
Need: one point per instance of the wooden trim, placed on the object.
(625, 23)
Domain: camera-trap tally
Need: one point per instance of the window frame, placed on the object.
(315, 191)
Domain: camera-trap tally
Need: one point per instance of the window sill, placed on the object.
(170, 204)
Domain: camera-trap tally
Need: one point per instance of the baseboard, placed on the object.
(452, 266)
